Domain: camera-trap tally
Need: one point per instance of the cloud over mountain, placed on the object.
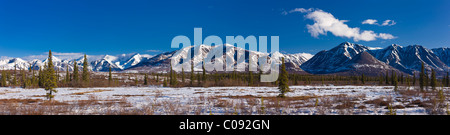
(325, 22)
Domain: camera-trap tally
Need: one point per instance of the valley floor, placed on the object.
(302, 100)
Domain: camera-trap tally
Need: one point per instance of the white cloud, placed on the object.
(374, 22)
(388, 23)
(301, 10)
(370, 21)
(325, 22)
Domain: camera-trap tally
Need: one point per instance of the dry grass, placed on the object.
(93, 91)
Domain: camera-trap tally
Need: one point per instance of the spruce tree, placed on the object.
(448, 81)
(427, 80)
(24, 80)
(145, 79)
(171, 75)
(203, 72)
(136, 81)
(157, 77)
(401, 78)
(380, 80)
(14, 81)
(165, 82)
(393, 77)
(250, 78)
(110, 77)
(40, 78)
(283, 80)
(363, 78)
(422, 77)
(50, 77)
(67, 79)
(182, 75)
(414, 79)
(433, 80)
(387, 78)
(395, 82)
(85, 74)
(75, 75)
(3, 79)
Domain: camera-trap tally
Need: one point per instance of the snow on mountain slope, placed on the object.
(11, 63)
(229, 56)
(96, 62)
(444, 54)
(408, 59)
(365, 63)
(330, 61)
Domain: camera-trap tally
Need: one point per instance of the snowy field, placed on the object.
(302, 100)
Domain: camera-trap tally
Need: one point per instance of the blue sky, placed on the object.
(31, 27)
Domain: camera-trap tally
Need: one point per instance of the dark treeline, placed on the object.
(35, 79)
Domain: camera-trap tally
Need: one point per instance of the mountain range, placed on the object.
(355, 58)
(346, 58)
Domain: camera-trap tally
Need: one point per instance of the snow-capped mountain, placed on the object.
(344, 58)
(332, 60)
(11, 63)
(365, 63)
(96, 62)
(118, 63)
(444, 54)
(229, 54)
(405, 59)
(408, 59)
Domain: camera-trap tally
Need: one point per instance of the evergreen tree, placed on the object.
(387, 78)
(173, 78)
(67, 78)
(393, 77)
(295, 79)
(408, 82)
(24, 80)
(395, 82)
(363, 78)
(110, 76)
(433, 79)
(50, 77)
(165, 82)
(14, 81)
(40, 78)
(427, 80)
(422, 77)
(171, 75)
(401, 78)
(157, 77)
(448, 81)
(33, 78)
(3, 79)
(203, 71)
(414, 79)
(75, 77)
(136, 81)
(250, 78)
(283, 79)
(182, 75)
(145, 79)
(192, 74)
(380, 80)
(85, 74)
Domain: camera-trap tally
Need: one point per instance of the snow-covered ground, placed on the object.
(302, 100)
